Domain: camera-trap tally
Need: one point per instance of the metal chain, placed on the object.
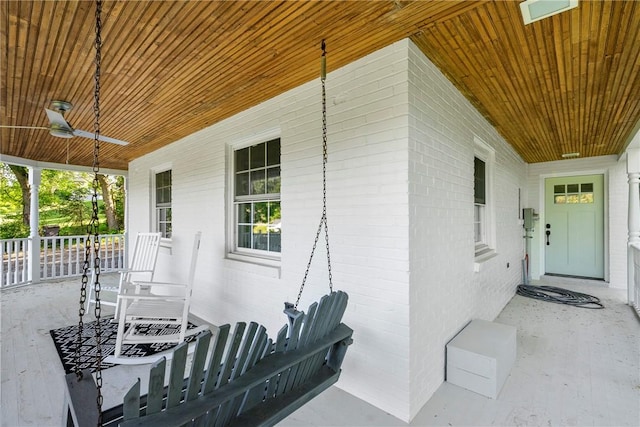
(323, 218)
(94, 202)
(92, 243)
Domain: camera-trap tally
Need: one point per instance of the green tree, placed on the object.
(64, 199)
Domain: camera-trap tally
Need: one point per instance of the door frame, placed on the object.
(539, 227)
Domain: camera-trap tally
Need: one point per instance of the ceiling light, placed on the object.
(570, 155)
(535, 10)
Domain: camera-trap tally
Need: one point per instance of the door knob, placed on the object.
(548, 233)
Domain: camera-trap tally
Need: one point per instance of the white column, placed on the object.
(633, 171)
(34, 236)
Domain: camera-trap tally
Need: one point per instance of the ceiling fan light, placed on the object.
(535, 10)
(60, 132)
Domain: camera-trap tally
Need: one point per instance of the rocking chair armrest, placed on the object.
(151, 284)
(150, 297)
(135, 287)
(127, 270)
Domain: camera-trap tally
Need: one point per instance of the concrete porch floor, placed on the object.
(574, 367)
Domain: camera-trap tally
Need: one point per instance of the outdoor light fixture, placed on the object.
(570, 155)
(535, 10)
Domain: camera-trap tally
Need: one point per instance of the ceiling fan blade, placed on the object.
(23, 127)
(91, 135)
(56, 118)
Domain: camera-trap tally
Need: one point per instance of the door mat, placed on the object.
(65, 340)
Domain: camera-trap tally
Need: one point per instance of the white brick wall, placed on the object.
(445, 291)
(616, 193)
(400, 206)
(367, 211)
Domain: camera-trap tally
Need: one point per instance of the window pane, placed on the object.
(260, 240)
(558, 189)
(572, 188)
(242, 184)
(274, 242)
(163, 179)
(586, 198)
(274, 215)
(244, 213)
(479, 181)
(242, 160)
(260, 214)
(258, 182)
(273, 152)
(244, 236)
(258, 155)
(273, 180)
(163, 195)
(586, 188)
(560, 199)
(478, 216)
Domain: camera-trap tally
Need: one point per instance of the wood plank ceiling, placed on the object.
(569, 83)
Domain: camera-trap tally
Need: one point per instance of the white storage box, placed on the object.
(480, 357)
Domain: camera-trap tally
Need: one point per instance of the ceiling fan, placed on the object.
(59, 127)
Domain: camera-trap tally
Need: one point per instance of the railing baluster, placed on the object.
(25, 260)
(14, 254)
(2, 270)
(59, 257)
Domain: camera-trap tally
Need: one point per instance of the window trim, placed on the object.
(487, 248)
(164, 241)
(255, 256)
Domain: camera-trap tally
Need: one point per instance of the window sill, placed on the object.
(263, 266)
(481, 257)
(166, 243)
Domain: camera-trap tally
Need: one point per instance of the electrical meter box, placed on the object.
(530, 216)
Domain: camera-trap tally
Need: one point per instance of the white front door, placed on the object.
(574, 226)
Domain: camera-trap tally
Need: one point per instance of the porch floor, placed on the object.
(574, 367)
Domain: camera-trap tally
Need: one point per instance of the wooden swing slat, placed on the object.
(156, 386)
(213, 371)
(176, 379)
(291, 345)
(281, 341)
(131, 406)
(197, 366)
(230, 360)
(336, 311)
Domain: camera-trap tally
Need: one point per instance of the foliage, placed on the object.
(65, 200)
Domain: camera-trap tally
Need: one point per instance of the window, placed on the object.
(257, 215)
(480, 200)
(483, 218)
(573, 193)
(163, 203)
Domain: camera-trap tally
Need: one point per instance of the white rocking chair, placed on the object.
(142, 267)
(142, 305)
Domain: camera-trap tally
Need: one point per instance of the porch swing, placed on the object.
(256, 382)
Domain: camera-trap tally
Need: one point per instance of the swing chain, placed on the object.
(92, 243)
(323, 219)
(94, 218)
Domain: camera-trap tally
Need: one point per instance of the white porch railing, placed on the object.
(635, 291)
(60, 256)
